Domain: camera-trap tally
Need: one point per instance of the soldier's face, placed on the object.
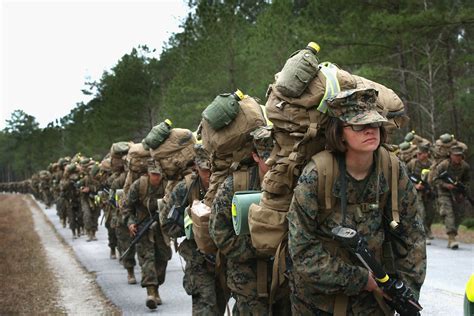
(155, 179)
(422, 156)
(205, 175)
(456, 159)
(366, 140)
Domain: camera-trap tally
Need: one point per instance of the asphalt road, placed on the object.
(112, 277)
(442, 293)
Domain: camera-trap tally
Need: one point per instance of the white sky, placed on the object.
(50, 48)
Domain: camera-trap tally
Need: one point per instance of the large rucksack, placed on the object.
(176, 153)
(228, 146)
(299, 133)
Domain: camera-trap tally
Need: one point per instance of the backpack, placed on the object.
(176, 153)
(299, 133)
(137, 158)
(231, 144)
(228, 146)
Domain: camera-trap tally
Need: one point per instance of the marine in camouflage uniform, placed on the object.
(426, 197)
(241, 256)
(88, 190)
(199, 279)
(118, 222)
(70, 194)
(153, 252)
(450, 201)
(60, 203)
(324, 277)
(108, 203)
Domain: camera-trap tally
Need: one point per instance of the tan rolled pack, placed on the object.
(200, 214)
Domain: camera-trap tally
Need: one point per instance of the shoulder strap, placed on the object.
(391, 169)
(143, 188)
(327, 170)
(241, 179)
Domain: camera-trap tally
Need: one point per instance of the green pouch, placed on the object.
(297, 73)
(222, 111)
(240, 208)
(157, 135)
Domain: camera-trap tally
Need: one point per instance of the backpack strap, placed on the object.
(241, 179)
(391, 169)
(143, 188)
(326, 167)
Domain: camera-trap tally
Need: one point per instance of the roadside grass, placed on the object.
(465, 234)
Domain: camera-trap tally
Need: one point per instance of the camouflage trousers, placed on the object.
(61, 208)
(74, 215)
(242, 281)
(111, 234)
(47, 197)
(425, 203)
(123, 242)
(90, 213)
(451, 211)
(153, 255)
(201, 283)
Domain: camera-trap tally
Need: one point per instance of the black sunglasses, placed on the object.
(359, 128)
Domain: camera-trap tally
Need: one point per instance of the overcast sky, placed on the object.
(50, 48)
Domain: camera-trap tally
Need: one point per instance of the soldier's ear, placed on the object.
(255, 157)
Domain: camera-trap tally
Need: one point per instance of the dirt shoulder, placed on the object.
(39, 273)
(27, 283)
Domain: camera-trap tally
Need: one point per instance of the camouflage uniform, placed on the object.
(452, 203)
(199, 279)
(153, 252)
(121, 229)
(90, 211)
(322, 270)
(71, 198)
(241, 256)
(109, 213)
(425, 198)
(45, 188)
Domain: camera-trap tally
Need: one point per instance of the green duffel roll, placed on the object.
(223, 110)
(188, 226)
(240, 209)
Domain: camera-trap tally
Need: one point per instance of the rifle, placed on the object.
(141, 233)
(401, 297)
(419, 180)
(460, 187)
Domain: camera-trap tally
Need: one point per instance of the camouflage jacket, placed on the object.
(459, 173)
(415, 166)
(221, 229)
(138, 207)
(177, 198)
(321, 269)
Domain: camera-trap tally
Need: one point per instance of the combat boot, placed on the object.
(89, 235)
(151, 292)
(93, 237)
(452, 243)
(112, 253)
(157, 297)
(131, 276)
